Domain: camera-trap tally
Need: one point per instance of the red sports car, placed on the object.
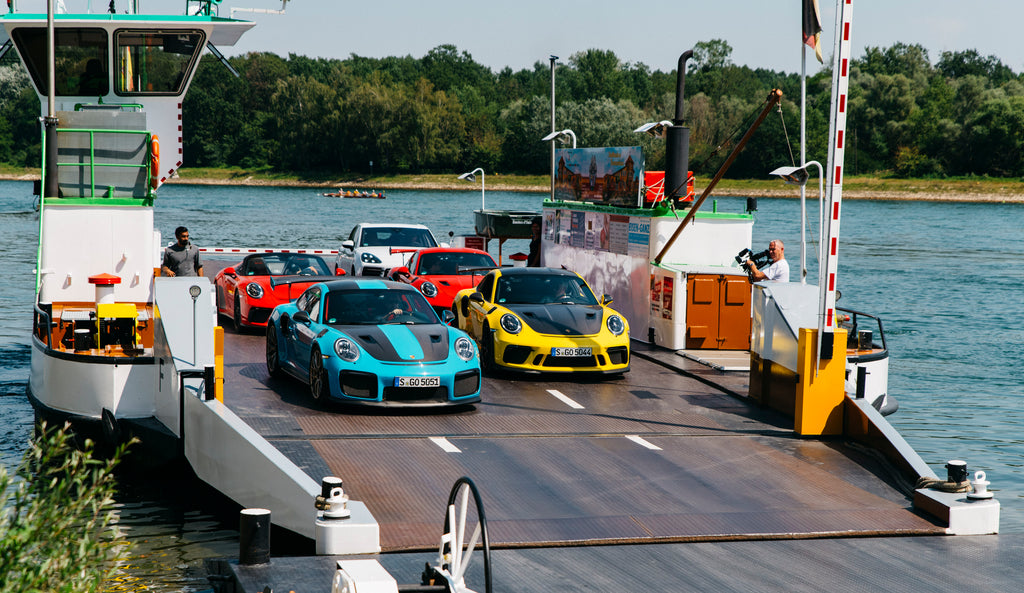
(440, 272)
(245, 294)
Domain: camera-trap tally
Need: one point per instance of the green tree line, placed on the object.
(444, 112)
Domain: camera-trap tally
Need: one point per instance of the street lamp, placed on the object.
(799, 176)
(561, 136)
(655, 128)
(471, 177)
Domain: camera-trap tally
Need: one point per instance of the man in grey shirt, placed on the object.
(181, 258)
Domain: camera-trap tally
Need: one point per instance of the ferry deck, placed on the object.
(576, 475)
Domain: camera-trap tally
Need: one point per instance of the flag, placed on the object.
(812, 27)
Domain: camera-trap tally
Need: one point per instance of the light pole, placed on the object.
(561, 136)
(799, 176)
(471, 176)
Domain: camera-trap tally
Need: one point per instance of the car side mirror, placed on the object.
(230, 271)
(606, 299)
(476, 297)
(348, 244)
(339, 272)
(302, 317)
(447, 316)
(397, 273)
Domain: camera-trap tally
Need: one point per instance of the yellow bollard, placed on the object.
(218, 361)
(820, 396)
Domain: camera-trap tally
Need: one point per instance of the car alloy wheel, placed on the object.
(273, 362)
(237, 319)
(318, 386)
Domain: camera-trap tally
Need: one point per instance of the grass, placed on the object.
(882, 185)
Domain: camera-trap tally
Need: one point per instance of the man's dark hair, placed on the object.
(178, 231)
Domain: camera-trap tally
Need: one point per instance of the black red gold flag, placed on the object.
(812, 26)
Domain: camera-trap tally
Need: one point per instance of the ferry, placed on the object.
(657, 480)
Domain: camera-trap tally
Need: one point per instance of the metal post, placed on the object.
(253, 536)
(553, 59)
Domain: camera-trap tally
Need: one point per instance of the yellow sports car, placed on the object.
(543, 320)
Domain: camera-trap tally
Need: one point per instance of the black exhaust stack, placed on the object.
(677, 141)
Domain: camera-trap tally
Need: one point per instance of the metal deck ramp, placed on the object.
(653, 457)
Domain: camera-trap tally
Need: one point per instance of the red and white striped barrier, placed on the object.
(214, 250)
(837, 151)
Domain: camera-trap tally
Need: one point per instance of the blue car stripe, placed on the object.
(405, 343)
(372, 284)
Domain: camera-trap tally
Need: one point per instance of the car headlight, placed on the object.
(254, 290)
(368, 258)
(511, 323)
(616, 325)
(346, 349)
(464, 348)
(428, 289)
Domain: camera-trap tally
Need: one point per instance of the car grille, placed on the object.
(357, 384)
(618, 355)
(408, 394)
(516, 354)
(570, 361)
(372, 271)
(467, 383)
(259, 314)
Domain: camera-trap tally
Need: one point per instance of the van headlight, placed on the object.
(616, 325)
(511, 323)
(346, 349)
(464, 348)
(254, 290)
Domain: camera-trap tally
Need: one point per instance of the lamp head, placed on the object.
(468, 177)
(792, 175)
(655, 128)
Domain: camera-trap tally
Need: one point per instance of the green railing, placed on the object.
(147, 163)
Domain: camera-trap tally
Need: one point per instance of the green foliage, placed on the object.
(57, 528)
(445, 112)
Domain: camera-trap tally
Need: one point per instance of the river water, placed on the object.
(944, 277)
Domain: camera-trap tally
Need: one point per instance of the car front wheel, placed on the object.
(273, 360)
(319, 387)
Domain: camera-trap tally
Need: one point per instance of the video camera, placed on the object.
(745, 257)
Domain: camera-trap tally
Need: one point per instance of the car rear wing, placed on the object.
(276, 281)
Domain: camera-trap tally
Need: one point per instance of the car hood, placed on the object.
(561, 320)
(448, 286)
(384, 253)
(402, 343)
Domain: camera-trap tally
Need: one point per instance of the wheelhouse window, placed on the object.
(155, 62)
(81, 67)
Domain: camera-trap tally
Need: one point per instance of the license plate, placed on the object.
(586, 351)
(417, 381)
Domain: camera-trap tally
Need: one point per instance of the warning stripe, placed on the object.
(266, 250)
(840, 89)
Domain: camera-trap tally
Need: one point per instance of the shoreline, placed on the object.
(726, 188)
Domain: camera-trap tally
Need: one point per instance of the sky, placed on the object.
(517, 34)
(762, 33)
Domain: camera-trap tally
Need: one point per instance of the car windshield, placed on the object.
(450, 263)
(543, 289)
(378, 307)
(286, 264)
(396, 236)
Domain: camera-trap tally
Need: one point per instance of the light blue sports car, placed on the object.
(374, 342)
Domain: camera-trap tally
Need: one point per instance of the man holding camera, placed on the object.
(777, 271)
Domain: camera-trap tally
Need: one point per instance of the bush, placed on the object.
(57, 525)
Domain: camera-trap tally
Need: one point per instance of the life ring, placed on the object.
(154, 162)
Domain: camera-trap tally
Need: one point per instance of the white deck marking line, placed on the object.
(565, 399)
(643, 442)
(445, 445)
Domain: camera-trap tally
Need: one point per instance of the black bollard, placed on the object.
(254, 536)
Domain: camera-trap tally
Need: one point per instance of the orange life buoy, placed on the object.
(154, 162)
